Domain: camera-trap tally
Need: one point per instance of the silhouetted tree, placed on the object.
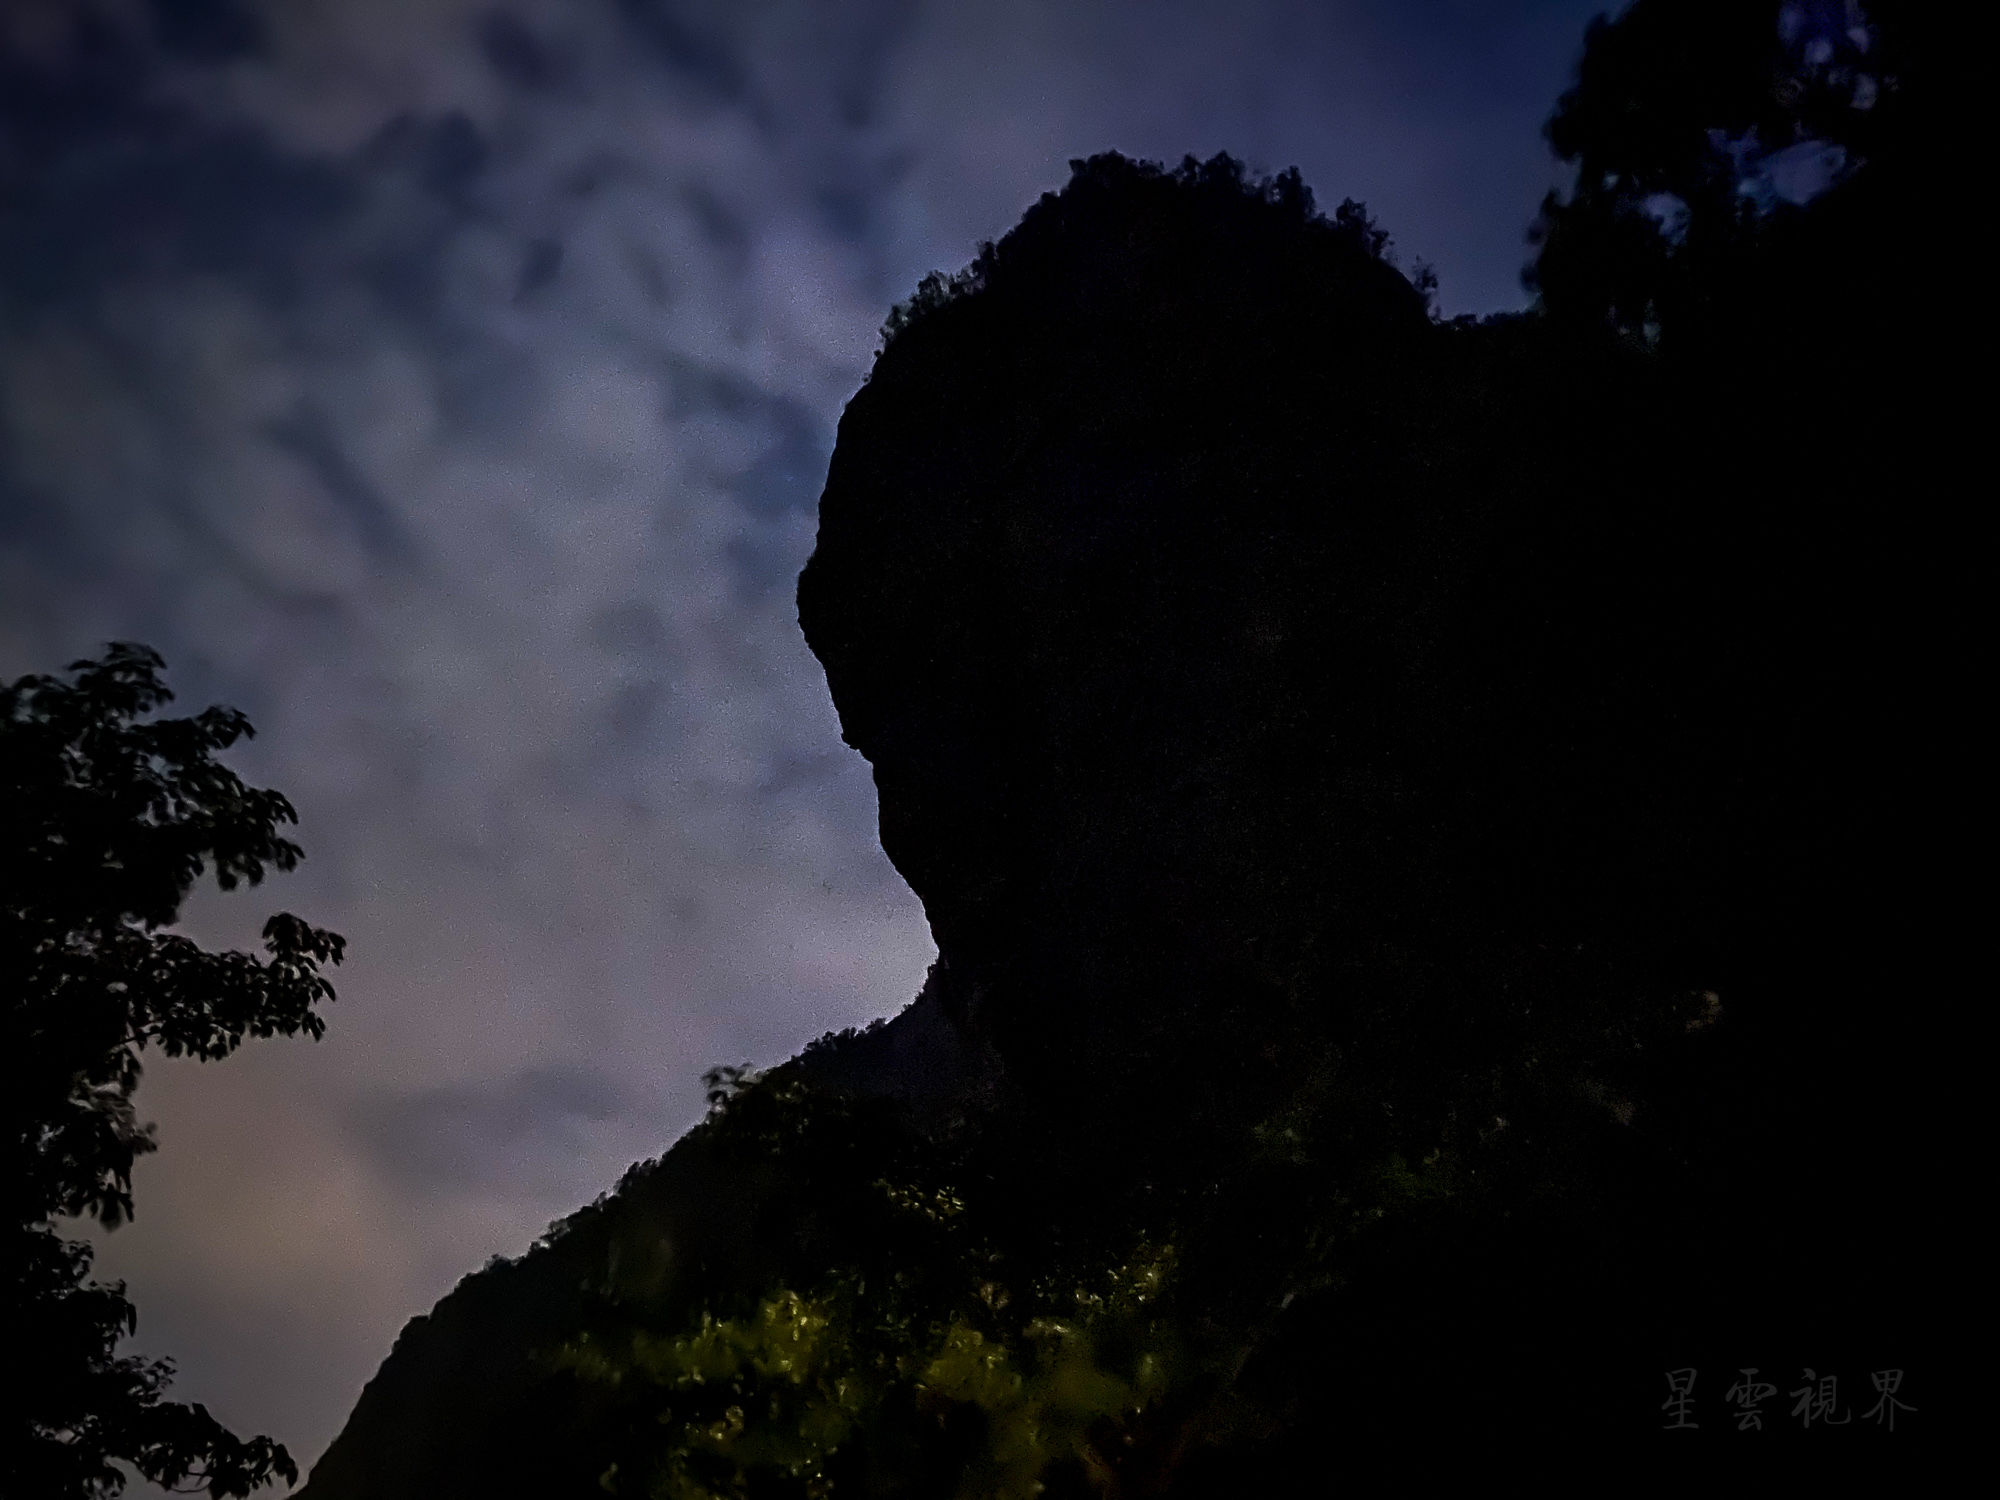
(1693, 124)
(107, 820)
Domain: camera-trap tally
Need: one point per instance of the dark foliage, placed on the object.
(1696, 126)
(107, 820)
(1433, 824)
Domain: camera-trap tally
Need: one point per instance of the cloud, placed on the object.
(308, 436)
(106, 183)
(424, 391)
(523, 57)
(452, 1139)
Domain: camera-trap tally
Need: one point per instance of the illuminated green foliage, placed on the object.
(804, 1388)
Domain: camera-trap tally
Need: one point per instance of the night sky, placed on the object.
(449, 386)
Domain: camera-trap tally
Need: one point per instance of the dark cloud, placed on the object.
(29, 518)
(102, 179)
(308, 436)
(791, 771)
(764, 559)
(724, 228)
(791, 462)
(778, 490)
(650, 275)
(539, 267)
(690, 46)
(860, 56)
(848, 210)
(695, 386)
(461, 1137)
(209, 31)
(522, 56)
(444, 154)
(55, 101)
(408, 274)
(629, 628)
(635, 713)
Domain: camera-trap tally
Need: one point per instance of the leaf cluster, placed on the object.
(107, 820)
(1685, 116)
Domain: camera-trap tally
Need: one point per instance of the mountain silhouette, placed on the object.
(1511, 744)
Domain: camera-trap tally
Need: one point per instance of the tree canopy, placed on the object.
(1695, 125)
(108, 818)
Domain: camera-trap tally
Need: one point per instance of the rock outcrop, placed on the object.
(1272, 689)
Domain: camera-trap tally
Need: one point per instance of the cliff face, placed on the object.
(1237, 651)
(1272, 690)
